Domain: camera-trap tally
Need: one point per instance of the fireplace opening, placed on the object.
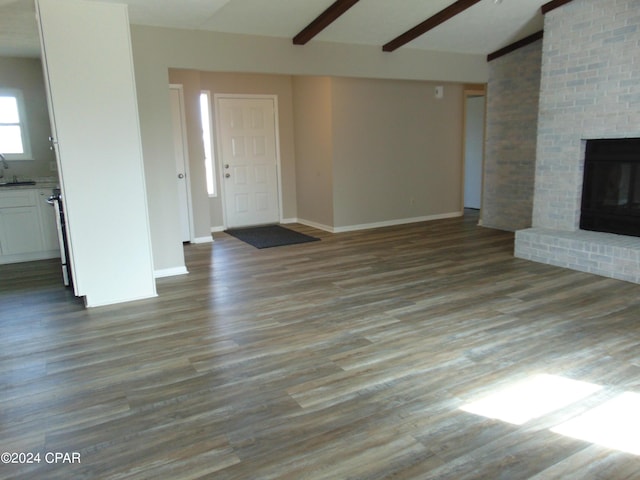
(611, 187)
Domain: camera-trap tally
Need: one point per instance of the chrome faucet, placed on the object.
(5, 165)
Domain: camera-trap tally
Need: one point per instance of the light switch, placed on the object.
(439, 91)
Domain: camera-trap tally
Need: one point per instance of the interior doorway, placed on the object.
(474, 127)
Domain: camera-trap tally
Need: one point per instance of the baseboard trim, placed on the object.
(387, 223)
(208, 239)
(363, 226)
(218, 229)
(105, 302)
(170, 272)
(319, 226)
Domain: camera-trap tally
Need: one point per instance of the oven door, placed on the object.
(56, 202)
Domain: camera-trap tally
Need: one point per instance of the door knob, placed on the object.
(226, 165)
(180, 175)
(227, 175)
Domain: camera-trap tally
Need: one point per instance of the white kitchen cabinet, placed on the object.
(19, 230)
(25, 232)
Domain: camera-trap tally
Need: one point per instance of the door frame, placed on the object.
(185, 156)
(469, 92)
(220, 160)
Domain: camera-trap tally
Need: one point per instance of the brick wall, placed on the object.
(590, 88)
(510, 149)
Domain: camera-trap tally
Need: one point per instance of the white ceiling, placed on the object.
(482, 29)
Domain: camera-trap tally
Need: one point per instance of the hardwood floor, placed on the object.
(344, 358)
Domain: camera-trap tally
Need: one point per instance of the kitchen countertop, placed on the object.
(44, 182)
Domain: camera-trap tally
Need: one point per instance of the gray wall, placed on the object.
(366, 151)
(25, 74)
(157, 49)
(397, 150)
(314, 149)
(372, 151)
(511, 134)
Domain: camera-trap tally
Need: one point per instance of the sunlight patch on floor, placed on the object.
(531, 398)
(614, 424)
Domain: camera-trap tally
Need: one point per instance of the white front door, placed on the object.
(249, 160)
(177, 120)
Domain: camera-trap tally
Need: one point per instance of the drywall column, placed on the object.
(92, 99)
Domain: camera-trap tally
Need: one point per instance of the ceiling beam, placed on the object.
(515, 45)
(547, 7)
(431, 22)
(323, 20)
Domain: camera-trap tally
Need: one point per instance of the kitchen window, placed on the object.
(14, 135)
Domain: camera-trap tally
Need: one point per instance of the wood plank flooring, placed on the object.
(344, 358)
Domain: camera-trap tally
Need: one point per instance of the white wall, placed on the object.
(312, 105)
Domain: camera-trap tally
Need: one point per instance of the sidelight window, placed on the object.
(207, 140)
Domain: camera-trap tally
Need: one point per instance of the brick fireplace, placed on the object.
(611, 186)
(590, 89)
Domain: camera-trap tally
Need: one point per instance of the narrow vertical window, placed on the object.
(207, 140)
(14, 138)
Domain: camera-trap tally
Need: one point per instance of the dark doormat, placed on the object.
(270, 236)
